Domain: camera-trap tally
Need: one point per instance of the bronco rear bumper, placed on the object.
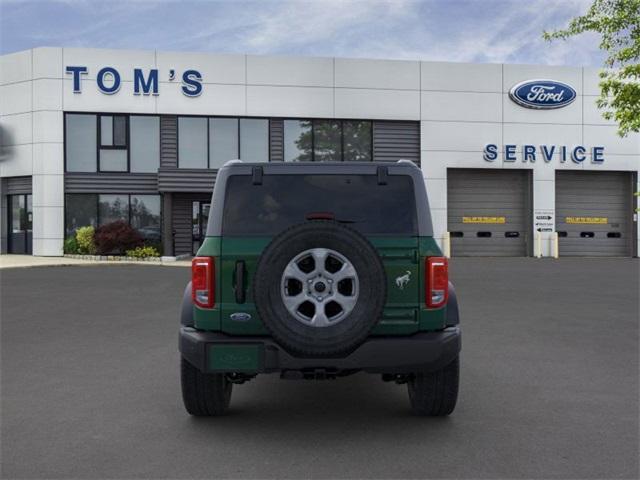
(217, 352)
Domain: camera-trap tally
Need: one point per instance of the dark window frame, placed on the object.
(208, 118)
(121, 194)
(64, 138)
(98, 115)
(10, 244)
(101, 147)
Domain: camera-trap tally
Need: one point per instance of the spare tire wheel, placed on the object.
(319, 289)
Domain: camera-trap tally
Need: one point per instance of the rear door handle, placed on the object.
(239, 277)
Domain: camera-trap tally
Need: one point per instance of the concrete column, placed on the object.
(48, 184)
(544, 201)
(434, 172)
(167, 224)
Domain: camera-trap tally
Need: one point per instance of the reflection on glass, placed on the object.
(297, 141)
(119, 131)
(112, 208)
(357, 141)
(113, 160)
(81, 210)
(29, 217)
(327, 141)
(192, 142)
(254, 140)
(223, 141)
(80, 142)
(145, 217)
(106, 130)
(17, 213)
(145, 143)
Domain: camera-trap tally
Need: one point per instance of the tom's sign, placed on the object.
(108, 80)
(542, 94)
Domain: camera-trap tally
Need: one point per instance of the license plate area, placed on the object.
(224, 357)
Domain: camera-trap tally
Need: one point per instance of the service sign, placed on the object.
(542, 94)
(544, 220)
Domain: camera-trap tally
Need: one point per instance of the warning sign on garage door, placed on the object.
(499, 220)
(544, 220)
(587, 220)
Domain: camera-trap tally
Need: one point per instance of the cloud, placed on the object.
(455, 30)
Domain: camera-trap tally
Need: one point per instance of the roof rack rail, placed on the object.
(407, 162)
(232, 162)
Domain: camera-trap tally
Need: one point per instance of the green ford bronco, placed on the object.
(319, 270)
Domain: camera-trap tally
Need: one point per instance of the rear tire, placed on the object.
(434, 394)
(204, 394)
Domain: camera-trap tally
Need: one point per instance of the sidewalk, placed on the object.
(26, 261)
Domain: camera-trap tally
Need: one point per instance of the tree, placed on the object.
(618, 23)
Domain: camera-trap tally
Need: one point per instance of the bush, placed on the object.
(85, 241)
(70, 245)
(116, 238)
(142, 252)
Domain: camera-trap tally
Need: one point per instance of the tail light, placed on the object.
(436, 281)
(203, 282)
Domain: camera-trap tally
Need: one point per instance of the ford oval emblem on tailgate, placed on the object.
(240, 317)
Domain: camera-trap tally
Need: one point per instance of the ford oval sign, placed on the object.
(542, 94)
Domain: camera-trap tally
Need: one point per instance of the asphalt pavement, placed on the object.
(549, 385)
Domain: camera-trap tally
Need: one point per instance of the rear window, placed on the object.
(285, 200)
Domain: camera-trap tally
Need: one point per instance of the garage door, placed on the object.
(488, 212)
(594, 213)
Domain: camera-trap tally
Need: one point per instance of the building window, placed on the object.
(145, 143)
(254, 140)
(328, 141)
(113, 131)
(145, 217)
(113, 143)
(112, 208)
(211, 142)
(297, 141)
(357, 141)
(192, 142)
(80, 142)
(142, 212)
(80, 211)
(223, 141)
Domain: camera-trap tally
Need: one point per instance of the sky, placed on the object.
(486, 31)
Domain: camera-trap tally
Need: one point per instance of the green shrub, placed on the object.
(86, 244)
(142, 252)
(70, 245)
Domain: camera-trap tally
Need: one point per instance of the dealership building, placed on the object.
(517, 159)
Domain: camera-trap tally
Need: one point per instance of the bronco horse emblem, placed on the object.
(402, 280)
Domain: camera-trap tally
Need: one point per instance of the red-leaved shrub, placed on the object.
(116, 238)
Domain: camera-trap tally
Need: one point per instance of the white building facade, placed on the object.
(91, 136)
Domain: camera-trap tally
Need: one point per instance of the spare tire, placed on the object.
(319, 289)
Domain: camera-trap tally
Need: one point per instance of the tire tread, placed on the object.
(435, 394)
(204, 394)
